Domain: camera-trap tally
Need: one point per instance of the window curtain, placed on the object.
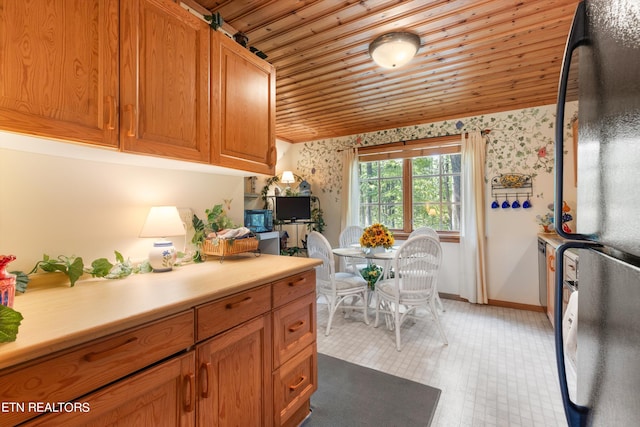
(350, 199)
(472, 232)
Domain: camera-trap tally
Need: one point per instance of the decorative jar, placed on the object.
(7, 281)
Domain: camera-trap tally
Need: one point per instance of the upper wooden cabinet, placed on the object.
(59, 69)
(164, 80)
(146, 76)
(242, 108)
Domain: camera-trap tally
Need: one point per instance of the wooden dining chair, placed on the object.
(415, 283)
(334, 286)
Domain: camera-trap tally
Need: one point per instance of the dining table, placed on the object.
(381, 258)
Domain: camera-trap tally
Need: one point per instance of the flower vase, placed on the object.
(376, 250)
(7, 281)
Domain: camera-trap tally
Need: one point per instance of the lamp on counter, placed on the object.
(288, 178)
(163, 222)
(393, 50)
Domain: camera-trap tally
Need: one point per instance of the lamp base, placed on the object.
(162, 256)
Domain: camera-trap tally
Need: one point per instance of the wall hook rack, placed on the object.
(511, 186)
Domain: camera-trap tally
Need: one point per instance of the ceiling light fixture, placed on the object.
(393, 50)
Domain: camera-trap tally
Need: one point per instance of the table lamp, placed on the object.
(163, 222)
(288, 178)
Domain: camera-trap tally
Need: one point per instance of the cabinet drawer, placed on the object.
(69, 375)
(163, 393)
(218, 316)
(294, 327)
(293, 287)
(294, 383)
(570, 268)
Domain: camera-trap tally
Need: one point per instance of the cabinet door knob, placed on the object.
(190, 390)
(299, 383)
(297, 326)
(111, 108)
(233, 305)
(298, 282)
(99, 355)
(272, 156)
(131, 129)
(205, 374)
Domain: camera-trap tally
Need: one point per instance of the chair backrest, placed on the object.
(417, 263)
(319, 247)
(350, 235)
(424, 231)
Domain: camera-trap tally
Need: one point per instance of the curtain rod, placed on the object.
(404, 142)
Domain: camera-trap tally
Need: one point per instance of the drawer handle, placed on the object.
(99, 355)
(298, 384)
(190, 390)
(298, 282)
(205, 372)
(233, 305)
(297, 326)
(552, 262)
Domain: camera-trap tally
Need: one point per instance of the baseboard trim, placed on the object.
(497, 303)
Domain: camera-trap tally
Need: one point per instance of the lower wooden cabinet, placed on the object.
(252, 362)
(234, 375)
(293, 384)
(163, 395)
(551, 283)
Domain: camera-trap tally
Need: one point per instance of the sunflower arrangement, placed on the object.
(376, 235)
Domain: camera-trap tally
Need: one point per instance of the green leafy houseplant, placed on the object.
(217, 220)
(10, 320)
(73, 267)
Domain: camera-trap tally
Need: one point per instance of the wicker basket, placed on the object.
(229, 247)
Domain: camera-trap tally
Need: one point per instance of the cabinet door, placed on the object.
(235, 377)
(164, 80)
(160, 396)
(243, 108)
(59, 69)
(551, 282)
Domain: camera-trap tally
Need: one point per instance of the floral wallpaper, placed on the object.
(519, 141)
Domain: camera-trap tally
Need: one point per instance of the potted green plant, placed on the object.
(216, 220)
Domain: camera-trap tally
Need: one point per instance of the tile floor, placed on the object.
(498, 369)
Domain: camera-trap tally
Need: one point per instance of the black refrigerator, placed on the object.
(605, 34)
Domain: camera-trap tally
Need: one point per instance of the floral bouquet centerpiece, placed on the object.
(371, 273)
(376, 236)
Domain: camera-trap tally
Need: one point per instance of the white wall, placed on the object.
(65, 199)
(520, 141)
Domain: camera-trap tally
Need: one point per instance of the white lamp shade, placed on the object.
(287, 177)
(163, 221)
(394, 50)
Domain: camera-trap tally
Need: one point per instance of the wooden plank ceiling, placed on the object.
(476, 57)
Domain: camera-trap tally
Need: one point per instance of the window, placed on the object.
(409, 185)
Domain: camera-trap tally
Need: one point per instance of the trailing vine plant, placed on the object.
(317, 215)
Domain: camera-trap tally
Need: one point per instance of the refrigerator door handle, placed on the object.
(576, 414)
(577, 37)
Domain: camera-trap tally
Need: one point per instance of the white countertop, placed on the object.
(60, 317)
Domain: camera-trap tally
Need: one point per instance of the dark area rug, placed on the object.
(352, 395)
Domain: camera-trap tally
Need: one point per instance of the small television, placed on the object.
(258, 220)
(297, 208)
